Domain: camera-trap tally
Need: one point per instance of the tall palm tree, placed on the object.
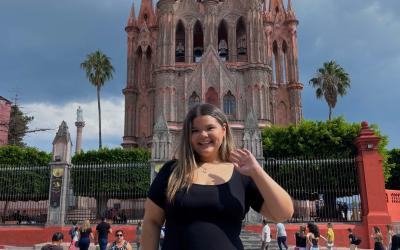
(98, 70)
(330, 81)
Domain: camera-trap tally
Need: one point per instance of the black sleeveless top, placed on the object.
(207, 216)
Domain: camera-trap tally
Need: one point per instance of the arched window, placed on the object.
(180, 42)
(285, 65)
(229, 104)
(212, 97)
(194, 99)
(241, 40)
(198, 45)
(276, 63)
(223, 50)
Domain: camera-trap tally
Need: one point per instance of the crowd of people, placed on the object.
(308, 237)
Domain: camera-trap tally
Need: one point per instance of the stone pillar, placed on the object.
(372, 185)
(161, 146)
(59, 178)
(252, 142)
(80, 123)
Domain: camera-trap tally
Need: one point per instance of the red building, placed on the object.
(5, 111)
(240, 56)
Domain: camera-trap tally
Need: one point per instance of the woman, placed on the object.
(313, 236)
(390, 233)
(138, 233)
(85, 234)
(378, 238)
(120, 243)
(204, 195)
(301, 241)
(354, 241)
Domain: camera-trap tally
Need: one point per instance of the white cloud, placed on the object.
(50, 115)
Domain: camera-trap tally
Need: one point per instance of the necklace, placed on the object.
(204, 169)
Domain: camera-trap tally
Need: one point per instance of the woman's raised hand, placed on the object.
(245, 162)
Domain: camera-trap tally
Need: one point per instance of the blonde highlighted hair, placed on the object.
(182, 174)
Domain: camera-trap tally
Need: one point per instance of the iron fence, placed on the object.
(114, 191)
(325, 190)
(24, 192)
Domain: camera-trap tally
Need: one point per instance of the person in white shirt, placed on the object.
(265, 236)
(281, 235)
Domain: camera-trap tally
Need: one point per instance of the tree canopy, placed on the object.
(18, 126)
(330, 82)
(98, 69)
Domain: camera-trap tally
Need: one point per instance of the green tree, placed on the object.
(330, 82)
(94, 174)
(317, 140)
(24, 175)
(18, 126)
(98, 70)
(394, 179)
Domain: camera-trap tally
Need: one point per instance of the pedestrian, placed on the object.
(265, 235)
(378, 238)
(102, 231)
(85, 235)
(138, 233)
(313, 236)
(162, 236)
(330, 236)
(354, 240)
(204, 194)
(281, 236)
(395, 242)
(73, 232)
(389, 235)
(301, 239)
(120, 243)
(56, 241)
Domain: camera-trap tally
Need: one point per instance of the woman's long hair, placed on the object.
(182, 174)
(313, 228)
(85, 225)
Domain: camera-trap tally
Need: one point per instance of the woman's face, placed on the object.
(207, 137)
(119, 236)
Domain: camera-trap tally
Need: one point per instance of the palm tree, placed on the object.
(98, 70)
(330, 81)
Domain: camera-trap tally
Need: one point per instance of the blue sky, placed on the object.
(43, 42)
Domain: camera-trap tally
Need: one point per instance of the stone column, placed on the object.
(372, 185)
(59, 178)
(161, 146)
(80, 123)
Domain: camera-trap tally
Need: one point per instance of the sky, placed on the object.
(43, 42)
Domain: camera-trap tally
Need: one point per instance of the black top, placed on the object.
(207, 216)
(85, 234)
(395, 242)
(301, 240)
(103, 229)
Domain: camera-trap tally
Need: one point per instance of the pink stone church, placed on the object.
(239, 55)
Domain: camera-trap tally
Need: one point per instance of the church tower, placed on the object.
(239, 55)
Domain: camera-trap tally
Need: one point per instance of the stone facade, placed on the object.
(240, 55)
(5, 111)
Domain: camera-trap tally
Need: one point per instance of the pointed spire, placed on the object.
(289, 5)
(146, 13)
(132, 17)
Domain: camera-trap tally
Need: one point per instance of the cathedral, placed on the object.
(239, 55)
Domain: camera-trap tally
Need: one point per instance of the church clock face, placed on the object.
(58, 172)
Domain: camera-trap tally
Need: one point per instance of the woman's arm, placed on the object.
(278, 206)
(154, 217)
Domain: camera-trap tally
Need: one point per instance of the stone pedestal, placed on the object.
(372, 185)
(59, 176)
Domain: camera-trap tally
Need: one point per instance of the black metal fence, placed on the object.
(322, 190)
(325, 190)
(24, 192)
(114, 191)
